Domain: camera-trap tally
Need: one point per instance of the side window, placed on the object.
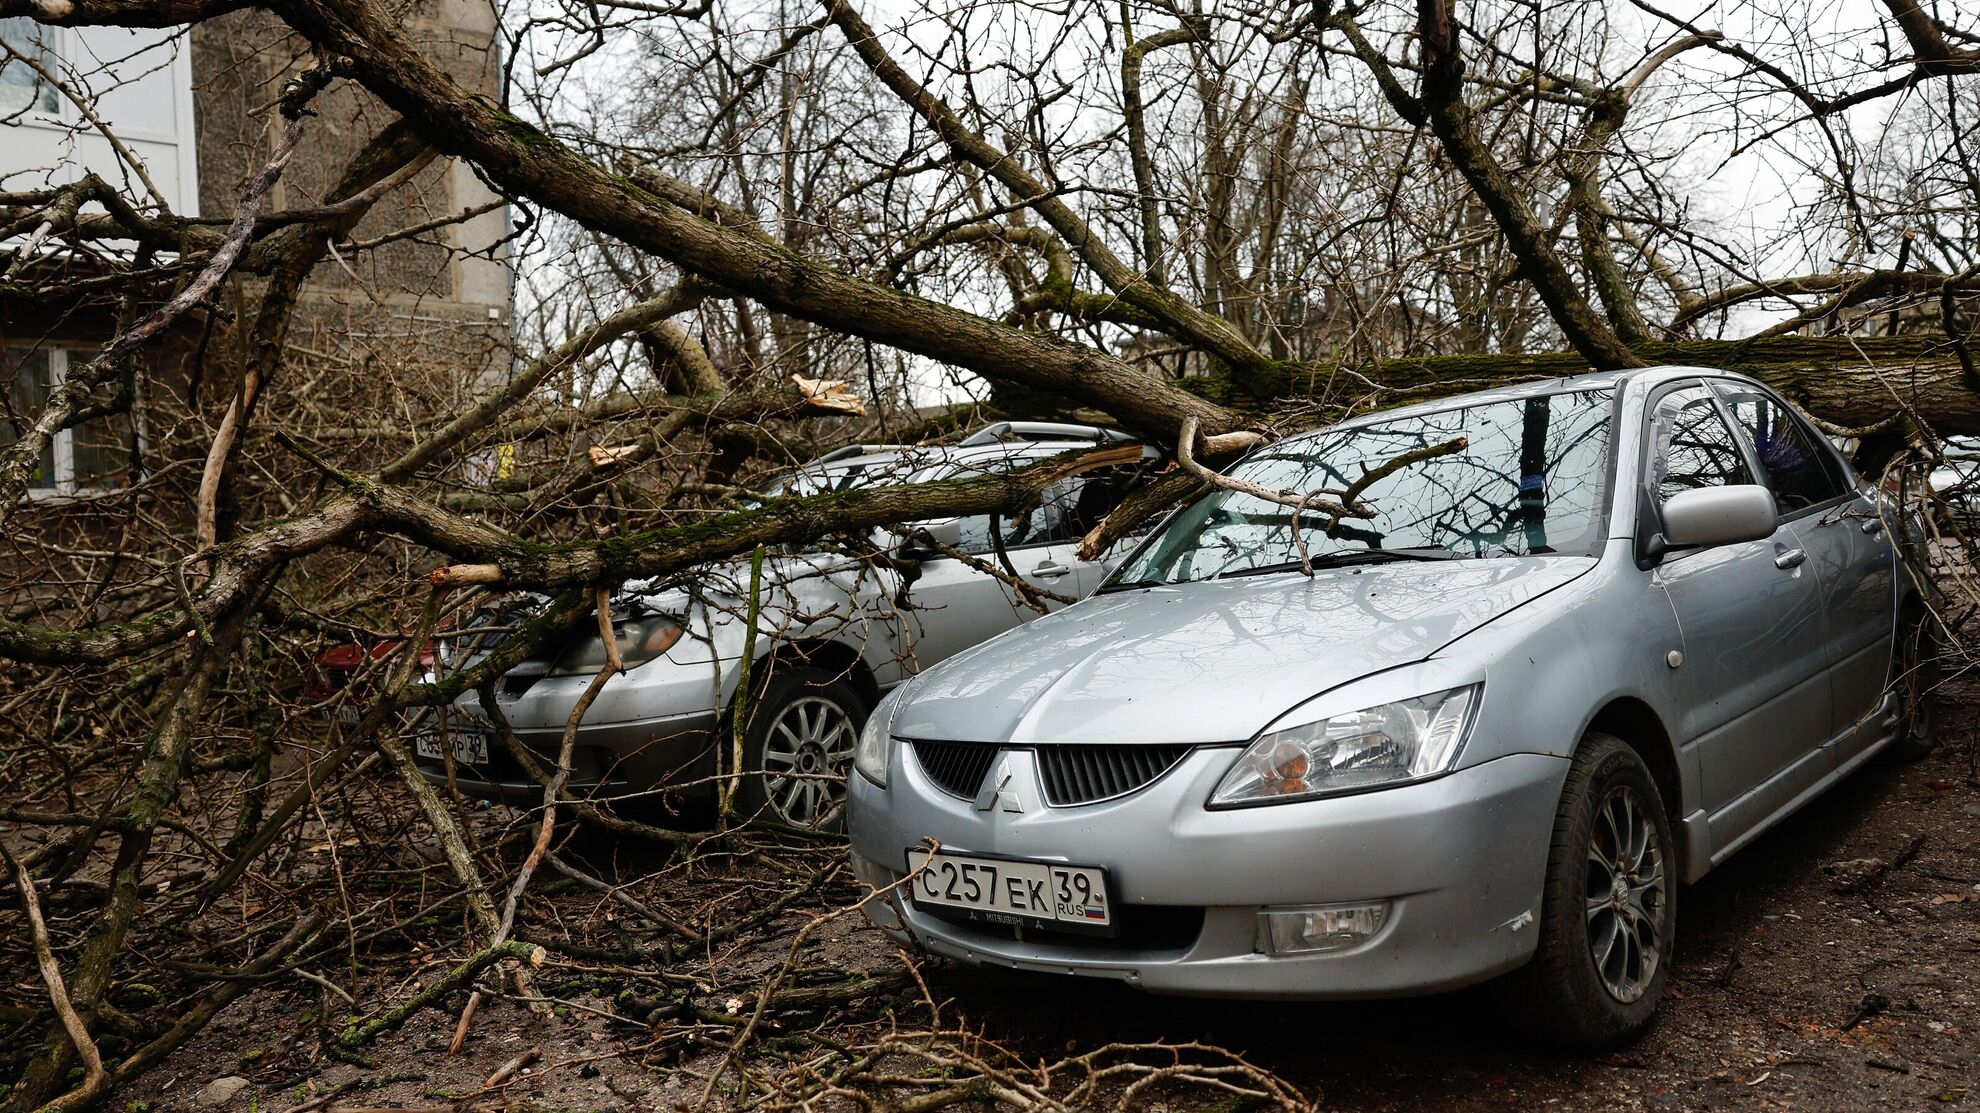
(1070, 508)
(1044, 524)
(1690, 446)
(1800, 471)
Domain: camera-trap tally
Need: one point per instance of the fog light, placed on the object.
(884, 912)
(869, 872)
(1332, 927)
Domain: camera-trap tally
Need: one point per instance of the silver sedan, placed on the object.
(1584, 640)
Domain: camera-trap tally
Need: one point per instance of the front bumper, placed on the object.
(1461, 860)
(608, 761)
(653, 726)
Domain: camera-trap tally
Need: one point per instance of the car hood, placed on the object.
(1215, 660)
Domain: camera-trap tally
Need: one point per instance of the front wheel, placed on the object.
(1608, 909)
(799, 745)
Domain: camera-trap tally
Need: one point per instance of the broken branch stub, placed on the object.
(466, 575)
(830, 395)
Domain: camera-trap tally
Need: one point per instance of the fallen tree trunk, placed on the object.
(1852, 382)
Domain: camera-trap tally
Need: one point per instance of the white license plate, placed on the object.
(1012, 891)
(470, 744)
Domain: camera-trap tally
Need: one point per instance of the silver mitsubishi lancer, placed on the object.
(1570, 645)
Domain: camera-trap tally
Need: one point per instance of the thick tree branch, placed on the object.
(120, 13)
(1134, 118)
(1442, 106)
(1861, 285)
(521, 159)
(1591, 212)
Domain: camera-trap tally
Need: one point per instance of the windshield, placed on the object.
(1531, 477)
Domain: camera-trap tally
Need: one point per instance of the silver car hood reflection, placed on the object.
(1213, 661)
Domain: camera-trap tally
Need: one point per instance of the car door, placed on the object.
(1839, 528)
(954, 604)
(1752, 684)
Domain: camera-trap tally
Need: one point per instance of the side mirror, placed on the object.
(1719, 516)
(940, 531)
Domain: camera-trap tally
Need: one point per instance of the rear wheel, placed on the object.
(798, 747)
(1608, 910)
(1915, 682)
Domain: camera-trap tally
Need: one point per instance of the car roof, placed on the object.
(998, 441)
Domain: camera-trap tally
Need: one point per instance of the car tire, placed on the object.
(1602, 957)
(1915, 675)
(798, 748)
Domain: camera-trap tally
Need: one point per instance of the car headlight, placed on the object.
(1372, 748)
(640, 640)
(876, 741)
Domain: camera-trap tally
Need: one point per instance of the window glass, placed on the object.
(1690, 446)
(21, 89)
(1531, 476)
(1050, 522)
(1800, 472)
(28, 380)
(92, 456)
(101, 451)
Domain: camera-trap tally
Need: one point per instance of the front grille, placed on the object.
(1086, 774)
(1073, 775)
(958, 767)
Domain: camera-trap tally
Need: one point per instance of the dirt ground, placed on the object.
(1833, 964)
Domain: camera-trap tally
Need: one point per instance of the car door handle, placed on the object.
(1873, 526)
(1050, 571)
(1790, 559)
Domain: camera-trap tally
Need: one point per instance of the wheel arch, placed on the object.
(1642, 730)
(831, 656)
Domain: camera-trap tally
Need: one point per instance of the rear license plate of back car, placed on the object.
(467, 732)
(1013, 891)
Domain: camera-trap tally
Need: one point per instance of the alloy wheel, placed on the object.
(805, 757)
(1625, 895)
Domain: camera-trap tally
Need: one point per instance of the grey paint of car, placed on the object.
(1764, 663)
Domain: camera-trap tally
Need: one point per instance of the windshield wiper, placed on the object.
(1345, 557)
(1128, 585)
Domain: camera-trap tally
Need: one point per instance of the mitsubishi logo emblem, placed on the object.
(997, 793)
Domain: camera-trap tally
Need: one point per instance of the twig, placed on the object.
(768, 992)
(62, 404)
(546, 826)
(357, 1035)
(95, 1079)
(506, 1070)
(326, 984)
(739, 718)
